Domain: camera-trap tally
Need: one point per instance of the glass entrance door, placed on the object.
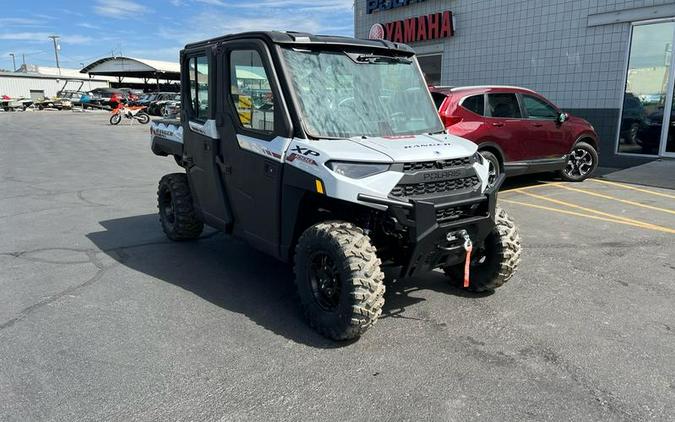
(646, 118)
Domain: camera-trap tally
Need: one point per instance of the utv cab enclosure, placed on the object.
(327, 152)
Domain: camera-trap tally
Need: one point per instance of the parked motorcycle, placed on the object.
(129, 112)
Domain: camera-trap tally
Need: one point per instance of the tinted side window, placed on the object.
(475, 104)
(504, 105)
(251, 91)
(199, 87)
(539, 109)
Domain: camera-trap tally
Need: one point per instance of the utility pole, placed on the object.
(57, 47)
(13, 62)
(23, 58)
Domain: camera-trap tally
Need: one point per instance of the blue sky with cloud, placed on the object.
(151, 29)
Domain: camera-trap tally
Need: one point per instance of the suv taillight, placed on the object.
(451, 120)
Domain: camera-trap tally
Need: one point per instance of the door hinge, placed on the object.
(188, 162)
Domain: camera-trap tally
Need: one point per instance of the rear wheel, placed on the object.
(115, 118)
(339, 280)
(176, 210)
(581, 163)
(495, 263)
(494, 167)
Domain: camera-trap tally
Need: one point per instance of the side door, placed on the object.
(505, 124)
(549, 138)
(256, 131)
(201, 139)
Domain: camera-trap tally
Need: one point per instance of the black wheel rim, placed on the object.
(324, 280)
(166, 208)
(579, 163)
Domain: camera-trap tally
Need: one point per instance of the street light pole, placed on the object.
(13, 62)
(56, 50)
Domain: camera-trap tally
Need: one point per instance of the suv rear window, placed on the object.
(438, 99)
(504, 106)
(475, 104)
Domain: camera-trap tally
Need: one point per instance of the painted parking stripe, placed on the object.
(625, 201)
(622, 185)
(606, 215)
(593, 217)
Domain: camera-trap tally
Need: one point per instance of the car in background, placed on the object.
(519, 131)
(155, 106)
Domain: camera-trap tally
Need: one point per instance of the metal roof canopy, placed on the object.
(135, 68)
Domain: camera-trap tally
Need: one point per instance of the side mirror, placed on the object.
(562, 117)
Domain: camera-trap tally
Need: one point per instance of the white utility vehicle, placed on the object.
(328, 153)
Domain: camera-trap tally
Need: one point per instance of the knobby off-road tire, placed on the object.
(338, 278)
(115, 119)
(176, 211)
(495, 264)
(143, 118)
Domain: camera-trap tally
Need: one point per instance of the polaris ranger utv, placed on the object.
(327, 152)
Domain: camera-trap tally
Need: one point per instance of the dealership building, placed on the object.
(609, 62)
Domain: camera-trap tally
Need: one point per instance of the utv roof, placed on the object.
(305, 39)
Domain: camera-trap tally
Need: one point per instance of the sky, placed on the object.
(150, 29)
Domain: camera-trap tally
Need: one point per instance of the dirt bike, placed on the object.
(130, 112)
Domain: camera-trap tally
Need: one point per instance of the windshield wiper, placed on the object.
(370, 58)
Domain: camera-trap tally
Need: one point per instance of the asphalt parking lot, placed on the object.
(102, 318)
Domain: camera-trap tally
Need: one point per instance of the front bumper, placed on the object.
(427, 226)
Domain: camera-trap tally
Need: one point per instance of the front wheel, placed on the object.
(339, 280)
(143, 118)
(495, 263)
(581, 163)
(115, 119)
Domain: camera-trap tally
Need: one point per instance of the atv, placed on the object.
(327, 153)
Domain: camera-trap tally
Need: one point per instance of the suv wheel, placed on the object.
(495, 263)
(494, 168)
(581, 163)
(339, 280)
(176, 211)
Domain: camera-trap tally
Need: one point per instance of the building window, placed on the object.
(644, 101)
(431, 67)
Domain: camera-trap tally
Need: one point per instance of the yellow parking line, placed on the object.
(594, 217)
(608, 215)
(625, 201)
(543, 185)
(606, 182)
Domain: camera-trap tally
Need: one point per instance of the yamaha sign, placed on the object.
(420, 28)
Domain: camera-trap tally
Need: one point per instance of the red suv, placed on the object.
(519, 131)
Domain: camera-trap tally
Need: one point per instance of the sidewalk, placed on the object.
(659, 173)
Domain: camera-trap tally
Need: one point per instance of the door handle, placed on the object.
(537, 124)
(497, 124)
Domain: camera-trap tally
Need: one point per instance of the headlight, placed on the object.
(356, 170)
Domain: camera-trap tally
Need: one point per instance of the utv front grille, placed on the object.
(450, 214)
(432, 188)
(436, 165)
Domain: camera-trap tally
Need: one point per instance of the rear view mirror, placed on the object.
(562, 117)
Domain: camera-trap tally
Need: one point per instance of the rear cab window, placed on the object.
(504, 106)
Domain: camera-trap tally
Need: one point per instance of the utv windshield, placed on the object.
(345, 94)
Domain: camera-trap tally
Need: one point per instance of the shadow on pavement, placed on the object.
(236, 277)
